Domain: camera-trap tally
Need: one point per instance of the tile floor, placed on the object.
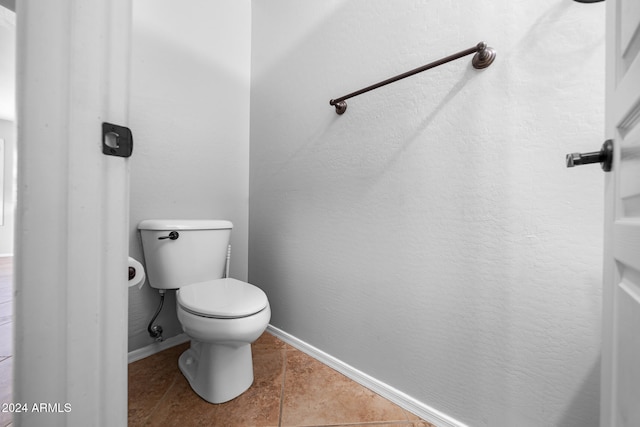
(290, 389)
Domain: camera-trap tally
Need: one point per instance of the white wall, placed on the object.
(432, 236)
(190, 119)
(7, 64)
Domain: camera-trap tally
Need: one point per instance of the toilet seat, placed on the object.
(222, 299)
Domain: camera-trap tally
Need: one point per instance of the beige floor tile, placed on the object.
(267, 342)
(257, 407)
(149, 380)
(308, 392)
(417, 420)
(315, 394)
(180, 406)
(398, 424)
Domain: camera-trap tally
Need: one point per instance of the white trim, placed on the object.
(154, 348)
(72, 212)
(394, 395)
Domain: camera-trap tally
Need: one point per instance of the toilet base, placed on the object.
(218, 372)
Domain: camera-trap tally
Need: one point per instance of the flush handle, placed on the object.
(172, 236)
(604, 157)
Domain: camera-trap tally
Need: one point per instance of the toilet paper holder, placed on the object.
(136, 273)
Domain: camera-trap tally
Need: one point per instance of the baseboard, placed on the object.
(401, 399)
(157, 347)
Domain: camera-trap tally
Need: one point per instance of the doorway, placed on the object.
(8, 191)
(7, 129)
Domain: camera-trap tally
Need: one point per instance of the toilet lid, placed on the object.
(222, 298)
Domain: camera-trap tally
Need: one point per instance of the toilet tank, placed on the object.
(198, 253)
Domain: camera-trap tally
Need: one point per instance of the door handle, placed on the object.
(604, 157)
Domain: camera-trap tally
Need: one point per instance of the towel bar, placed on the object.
(483, 57)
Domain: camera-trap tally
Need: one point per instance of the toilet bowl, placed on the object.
(221, 316)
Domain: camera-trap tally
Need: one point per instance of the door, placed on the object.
(70, 299)
(620, 396)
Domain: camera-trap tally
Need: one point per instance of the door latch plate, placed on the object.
(116, 140)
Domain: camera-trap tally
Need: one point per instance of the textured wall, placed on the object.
(432, 236)
(190, 118)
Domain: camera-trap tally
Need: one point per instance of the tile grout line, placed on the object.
(284, 377)
(404, 422)
(153, 410)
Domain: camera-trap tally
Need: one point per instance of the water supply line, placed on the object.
(155, 331)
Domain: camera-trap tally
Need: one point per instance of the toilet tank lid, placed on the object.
(185, 224)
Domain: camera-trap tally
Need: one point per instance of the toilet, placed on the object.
(222, 316)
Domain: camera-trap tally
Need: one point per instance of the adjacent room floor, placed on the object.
(290, 389)
(6, 335)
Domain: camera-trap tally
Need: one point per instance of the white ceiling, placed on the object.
(7, 62)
